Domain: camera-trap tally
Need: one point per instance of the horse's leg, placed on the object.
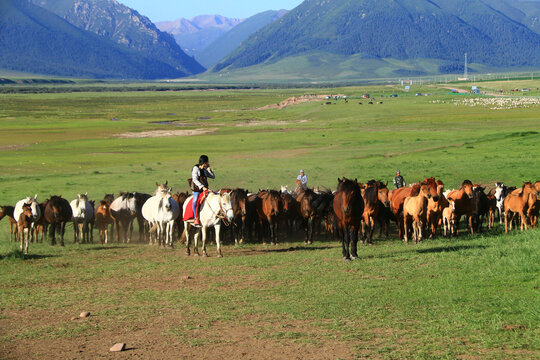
(523, 220)
(309, 230)
(405, 233)
(130, 230)
(26, 241)
(62, 231)
(419, 228)
(204, 235)
(188, 239)
(218, 240)
(471, 224)
(353, 241)
(346, 242)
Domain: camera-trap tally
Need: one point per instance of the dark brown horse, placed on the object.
(8, 211)
(239, 199)
(57, 214)
(398, 197)
(372, 207)
(290, 212)
(269, 207)
(348, 208)
(41, 225)
(180, 198)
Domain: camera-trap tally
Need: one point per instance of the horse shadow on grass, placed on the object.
(17, 255)
(99, 248)
(450, 248)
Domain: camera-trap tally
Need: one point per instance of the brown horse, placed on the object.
(448, 219)
(8, 211)
(41, 225)
(305, 199)
(518, 203)
(348, 209)
(435, 210)
(180, 198)
(463, 202)
(269, 207)
(24, 224)
(57, 214)
(103, 220)
(534, 208)
(415, 207)
(372, 207)
(492, 208)
(239, 201)
(291, 211)
(398, 196)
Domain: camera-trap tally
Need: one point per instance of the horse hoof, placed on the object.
(347, 259)
(219, 256)
(205, 255)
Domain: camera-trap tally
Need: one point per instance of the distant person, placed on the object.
(303, 179)
(199, 182)
(399, 181)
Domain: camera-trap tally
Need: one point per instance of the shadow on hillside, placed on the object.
(450, 248)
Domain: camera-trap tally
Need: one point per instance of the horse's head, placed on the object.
(226, 206)
(239, 202)
(383, 193)
(130, 203)
(109, 198)
(467, 187)
(425, 191)
(163, 189)
(348, 192)
(81, 202)
(27, 211)
(432, 188)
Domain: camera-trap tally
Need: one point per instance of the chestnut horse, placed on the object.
(348, 209)
(57, 214)
(398, 197)
(24, 224)
(463, 202)
(41, 225)
(435, 210)
(8, 211)
(415, 207)
(103, 220)
(239, 201)
(519, 202)
(269, 207)
(180, 198)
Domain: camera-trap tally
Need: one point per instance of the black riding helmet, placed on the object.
(203, 159)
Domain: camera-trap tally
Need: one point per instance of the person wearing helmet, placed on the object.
(399, 182)
(199, 181)
(303, 179)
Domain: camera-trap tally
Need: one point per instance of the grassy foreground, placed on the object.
(467, 298)
(461, 298)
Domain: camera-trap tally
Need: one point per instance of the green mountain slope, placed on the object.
(392, 29)
(126, 27)
(234, 37)
(35, 40)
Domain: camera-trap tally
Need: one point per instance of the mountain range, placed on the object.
(87, 38)
(414, 37)
(195, 34)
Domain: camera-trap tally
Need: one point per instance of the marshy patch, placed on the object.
(171, 122)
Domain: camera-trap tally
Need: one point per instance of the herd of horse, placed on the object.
(349, 213)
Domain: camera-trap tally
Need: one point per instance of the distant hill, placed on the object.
(35, 40)
(126, 27)
(229, 41)
(435, 33)
(195, 34)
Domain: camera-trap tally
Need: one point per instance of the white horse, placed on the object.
(215, 208)
(34, 206)
(83, 214)
(161, 211)
(124, 211)
(500, 194)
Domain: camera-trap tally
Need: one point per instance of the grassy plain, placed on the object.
(463, 298)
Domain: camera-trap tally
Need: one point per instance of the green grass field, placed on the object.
(471, 297)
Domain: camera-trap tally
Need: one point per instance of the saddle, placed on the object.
(188, 215)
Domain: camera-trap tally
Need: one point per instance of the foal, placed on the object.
(24, 223)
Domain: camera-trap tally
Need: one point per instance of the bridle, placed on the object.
(221, 213)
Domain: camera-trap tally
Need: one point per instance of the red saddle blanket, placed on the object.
(188, 215)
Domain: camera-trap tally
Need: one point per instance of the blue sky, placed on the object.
(163, 10)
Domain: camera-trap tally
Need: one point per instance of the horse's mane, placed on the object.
(429, 181)
(381, 185)
(466, 182)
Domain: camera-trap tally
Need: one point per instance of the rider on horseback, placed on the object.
(199, 182)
